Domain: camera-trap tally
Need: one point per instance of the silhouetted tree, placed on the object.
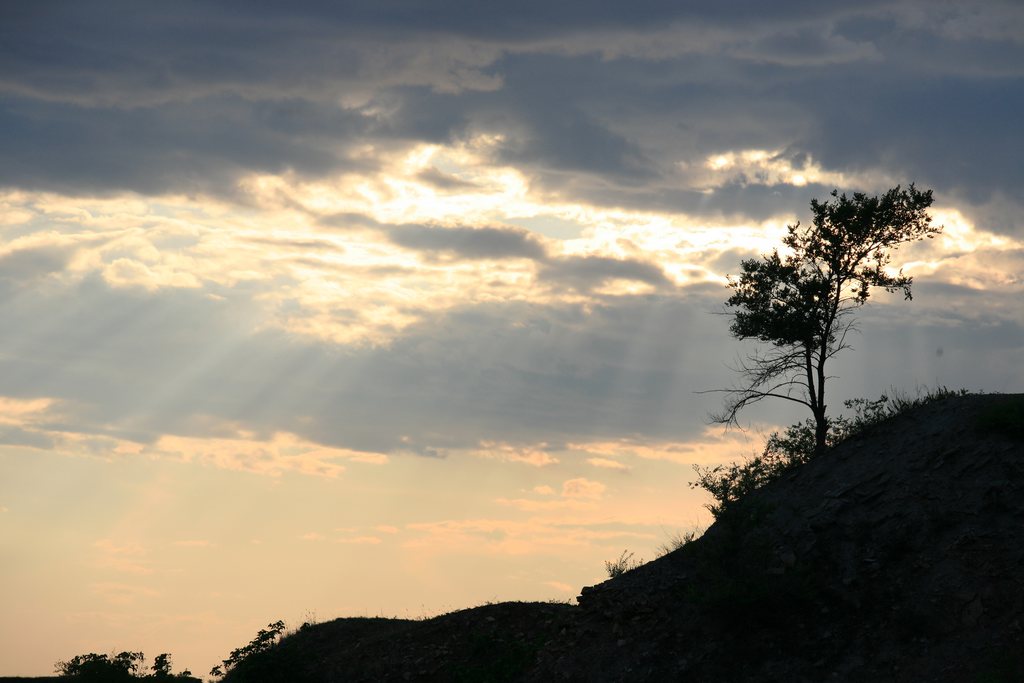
(264, 640)
(800, 302)
(102, 668)
(124, 666)
(162, 666)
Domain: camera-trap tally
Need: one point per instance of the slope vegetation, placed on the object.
(896, 556)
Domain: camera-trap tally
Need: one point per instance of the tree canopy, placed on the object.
(124, 666)
(800, 301)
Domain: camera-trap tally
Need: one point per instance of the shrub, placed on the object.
(124, 666)
(93, 667)
(624, 564)
(728, 484)
(677, 540)
(264, 640)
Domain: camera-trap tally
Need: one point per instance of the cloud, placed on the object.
(150, 59)
(274, 456)
(508, 370)
(509, 374)
(537, 506)
(247, 377)
(583, 488)
(123, 593)
(16, 436)
(469, 243)
(198, 146)
(567, 139)
(561, 587)
(608, 464)
(326, 237)
(357, 281)
(444, 181)
(589, 272)
(359, 540)
(124, 272)
(714, 445)
(814, 45)
(537, 536)
(23, 267)
(598, 105)
(124, 558)
(536, 456)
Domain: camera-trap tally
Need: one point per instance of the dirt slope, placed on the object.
(897, 556)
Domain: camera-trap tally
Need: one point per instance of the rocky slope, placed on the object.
(897, 556)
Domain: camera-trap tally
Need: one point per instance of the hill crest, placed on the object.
(895, 557)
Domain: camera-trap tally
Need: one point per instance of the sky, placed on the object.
(389, 308)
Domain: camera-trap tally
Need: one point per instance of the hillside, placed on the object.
(896, 556)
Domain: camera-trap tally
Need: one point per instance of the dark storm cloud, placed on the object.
(954, 133)
(89, 34)
(469, 243)
(540, 129)
(601, 102)
(194, 146)
(567, 139)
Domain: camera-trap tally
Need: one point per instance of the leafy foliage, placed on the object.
(800, 302)
(264, 640)
(124, 666)
(95, 667)
(728, 484)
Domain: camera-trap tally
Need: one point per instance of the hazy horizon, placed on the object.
(398, 308)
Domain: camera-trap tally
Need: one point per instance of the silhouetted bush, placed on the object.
(94, 667)
(728, 484)
(264, 640)
(624, 564)
(124, 666)
(677, 540)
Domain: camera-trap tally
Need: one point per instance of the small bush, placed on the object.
(677, 540)
(624, 564)
(124, 666)
(94, 667)
(264, 640)
(728, 484)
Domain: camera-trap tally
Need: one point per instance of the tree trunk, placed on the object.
(820, 430)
